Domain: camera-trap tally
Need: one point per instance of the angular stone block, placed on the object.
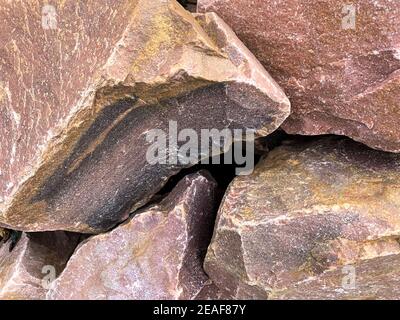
(315, 220)
(158, 254)
(36, 259)
(337, 60)
(80, 89)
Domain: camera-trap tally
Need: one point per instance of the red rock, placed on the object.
(157, 254)
(339, 80)
(316, 220)
(76, 102)
(35, 261)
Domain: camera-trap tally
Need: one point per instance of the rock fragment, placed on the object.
(33, 262)
(157, 254)
(316, 220)
(338, 61)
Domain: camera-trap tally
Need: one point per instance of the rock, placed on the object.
(211, 292)
(316, 219)
(34, 261)
(78, 100)
(339, 80)
(158, 254)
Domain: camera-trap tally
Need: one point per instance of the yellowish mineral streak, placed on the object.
(176, 55)
(2, 93)
(165, 33)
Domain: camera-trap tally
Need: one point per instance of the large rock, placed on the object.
(211, 292)
(33, 262)
(315, 220)
(340, 80)
(158, 254)
(80, 90)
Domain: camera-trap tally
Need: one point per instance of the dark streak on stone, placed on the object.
(116, 175)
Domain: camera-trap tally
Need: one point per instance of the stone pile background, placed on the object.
(83, 213)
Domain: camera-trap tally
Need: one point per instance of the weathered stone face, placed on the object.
(211, 292)
(308, 210)
(77, 101)
(339, 80)
(33, 263)
(158, 254)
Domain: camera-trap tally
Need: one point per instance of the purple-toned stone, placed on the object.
(316, 220)
(34, 261)
(157, 254)
(337, 60)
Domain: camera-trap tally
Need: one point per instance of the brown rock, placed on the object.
(34, 261)
(339, 80)
(308, 214)
(77, 101)
(158, 254)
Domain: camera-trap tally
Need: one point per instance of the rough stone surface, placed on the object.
(158, 254)
(25, 270)
(339, 80)
(76, 103)
(211, 292)
(308, 210)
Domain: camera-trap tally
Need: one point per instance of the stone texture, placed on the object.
(158, 254)
(211, 292)
(77, 101)
(24, 270)
(339, 80)
(308, 210)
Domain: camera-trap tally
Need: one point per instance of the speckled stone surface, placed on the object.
(341, 77)
(158, 254)
(77, 100)
(307, 211)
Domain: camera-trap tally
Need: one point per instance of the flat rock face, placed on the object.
(341, 77)
(158, 254)
(315, 220)
(211, 292)
(76, 102)
(35, 261)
